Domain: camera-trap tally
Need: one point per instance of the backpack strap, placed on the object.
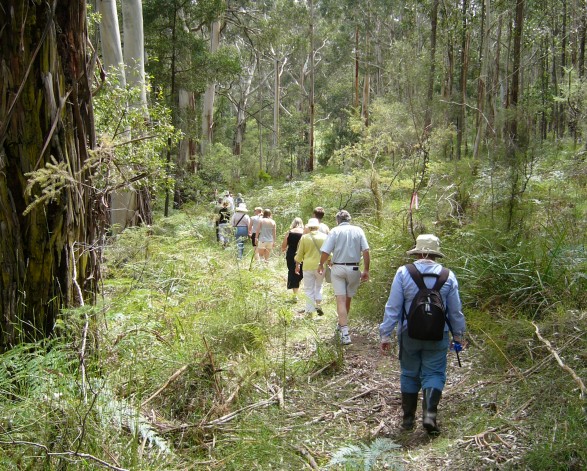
(419, 277)
(441, 280)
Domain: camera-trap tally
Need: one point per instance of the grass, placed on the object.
(194, 361)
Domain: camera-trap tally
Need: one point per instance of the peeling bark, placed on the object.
(45, 116)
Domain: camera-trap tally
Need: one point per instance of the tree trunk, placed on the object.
(582, 34)
(241, 108)
(366, 81)
(49, 252)
(134, 40)
(515, 87)
(356, 84)
(482, 82)
(461, 128)
(210, 93)
(110, 39)
(129, 208)
(310, 163)
(276, 105)
(432, 70)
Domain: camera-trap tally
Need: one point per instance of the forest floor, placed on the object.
(344, 408)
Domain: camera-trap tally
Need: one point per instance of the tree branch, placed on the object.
(63, 453)
(568, 369)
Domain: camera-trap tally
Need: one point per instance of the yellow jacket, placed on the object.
(309, 249)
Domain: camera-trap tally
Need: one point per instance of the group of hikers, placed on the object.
(423, 306)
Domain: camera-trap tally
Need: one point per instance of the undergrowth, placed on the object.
(194, 359)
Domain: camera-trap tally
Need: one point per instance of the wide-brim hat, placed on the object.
(242, 208)
(426, 244)
(313, 222)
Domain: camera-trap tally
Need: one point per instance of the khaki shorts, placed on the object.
(345, 280)
(265, 245)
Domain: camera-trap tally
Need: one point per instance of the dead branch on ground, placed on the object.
(565, 367)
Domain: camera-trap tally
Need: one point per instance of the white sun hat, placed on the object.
(426, 244)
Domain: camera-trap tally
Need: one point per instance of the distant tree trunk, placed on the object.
(366, 83)
(432, 70)
(49, 254)
(134, 44)
(562, 121)
(110, 39)
(276, 105)
(379, 62)
(461, 127)
(310, 163)
(582, 41)
(241, 107)
(495, 86)
(482, 82)
(515, 87)
(210, 93)
(356, 85)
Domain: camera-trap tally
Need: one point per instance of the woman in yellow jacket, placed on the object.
(309, 254)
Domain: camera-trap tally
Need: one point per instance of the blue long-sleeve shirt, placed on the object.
(403, 290)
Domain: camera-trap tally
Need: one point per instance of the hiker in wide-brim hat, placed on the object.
(426, 244)
(423, 362)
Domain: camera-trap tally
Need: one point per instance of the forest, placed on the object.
(130, 339)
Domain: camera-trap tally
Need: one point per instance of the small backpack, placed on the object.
(427, 315)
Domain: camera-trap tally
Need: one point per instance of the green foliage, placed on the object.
(365, 456)
(131, 141)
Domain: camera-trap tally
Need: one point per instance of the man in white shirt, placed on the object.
(347, 243)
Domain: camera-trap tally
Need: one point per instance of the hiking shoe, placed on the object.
(344, 339)
(319, 311)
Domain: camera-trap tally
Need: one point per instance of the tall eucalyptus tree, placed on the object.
(50, 219)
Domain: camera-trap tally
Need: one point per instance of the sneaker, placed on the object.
(319, 311)
(345, 339)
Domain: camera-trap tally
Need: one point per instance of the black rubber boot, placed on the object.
(430, 409)
(409, 406)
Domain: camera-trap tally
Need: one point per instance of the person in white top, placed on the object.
(319, 214)
(228, 197)
(347, 244)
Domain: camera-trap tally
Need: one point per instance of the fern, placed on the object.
(366, 456)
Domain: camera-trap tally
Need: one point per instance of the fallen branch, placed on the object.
(357, 396)
(561, 363)
(171, 379)
(226, 418)
(305, 452)
(64, 453)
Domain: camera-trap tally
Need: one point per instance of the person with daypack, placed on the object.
(424, 304)
(347, 243)
(223, 224)
(240, 222)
